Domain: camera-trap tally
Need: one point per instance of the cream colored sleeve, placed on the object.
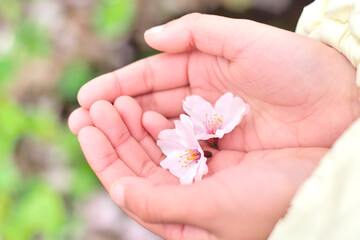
(327, 205)
(335, 23)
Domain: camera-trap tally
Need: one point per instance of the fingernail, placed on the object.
(154, 30)
(117, 193)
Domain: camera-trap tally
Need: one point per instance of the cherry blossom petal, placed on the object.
(205, 136)
(183, 151)
(202, 169)
(197, 108)
(169, 142)
(180, 138)
(185, 131)
(232, 109)
(189, 176)
(186, 172)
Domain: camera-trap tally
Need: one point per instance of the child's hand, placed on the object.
(242, 197)
(301, 92)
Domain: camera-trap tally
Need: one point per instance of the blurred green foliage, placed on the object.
(30, 207)
(113, 18)
(40, 210)
(7, 65)
(74, 76)
(31, 40)
(11, 10)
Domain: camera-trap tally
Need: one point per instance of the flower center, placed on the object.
(213, 123)
(191, 156)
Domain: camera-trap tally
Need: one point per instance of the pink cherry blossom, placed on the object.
(214, 122)
(184, 156)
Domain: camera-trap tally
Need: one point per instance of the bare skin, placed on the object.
(302, 96)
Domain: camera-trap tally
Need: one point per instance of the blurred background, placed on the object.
(48, 50)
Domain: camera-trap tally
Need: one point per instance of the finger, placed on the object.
(167, 103)
(102, 157)
(156, 73)
(154, 123)
(78, 119)
(107, 166)
(107, 120)
(166, 204)
(210, 34)
(131, 113)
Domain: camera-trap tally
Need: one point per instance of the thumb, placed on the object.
(214, 35)
(183, 204)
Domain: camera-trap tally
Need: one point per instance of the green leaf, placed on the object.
(114, 18)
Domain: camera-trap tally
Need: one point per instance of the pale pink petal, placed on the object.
(205, 136)
(167, 147)
(185, 131)
(169, 141)
(200, 133)
(177, 167)
(202, 169)
(171, 162)
(186, 121)
(221, 132)
(189, 176)
(197, 108)
(180, 138)
(232, 109)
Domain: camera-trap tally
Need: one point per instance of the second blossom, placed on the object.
(214, 122)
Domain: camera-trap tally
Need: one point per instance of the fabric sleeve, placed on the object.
(335, 23)
(327, 206)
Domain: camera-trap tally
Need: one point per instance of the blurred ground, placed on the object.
(48, 49)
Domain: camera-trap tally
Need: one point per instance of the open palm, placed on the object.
(297, 88)
(243, 195)
(302, 97)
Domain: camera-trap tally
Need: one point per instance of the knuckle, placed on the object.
(147, 214)
(148, 75)
(145, 210)
(105, 162)
(120, 139)
(147, 169)
(117, 83)
(147, 102)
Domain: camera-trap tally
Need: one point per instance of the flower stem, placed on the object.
(214, 143)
